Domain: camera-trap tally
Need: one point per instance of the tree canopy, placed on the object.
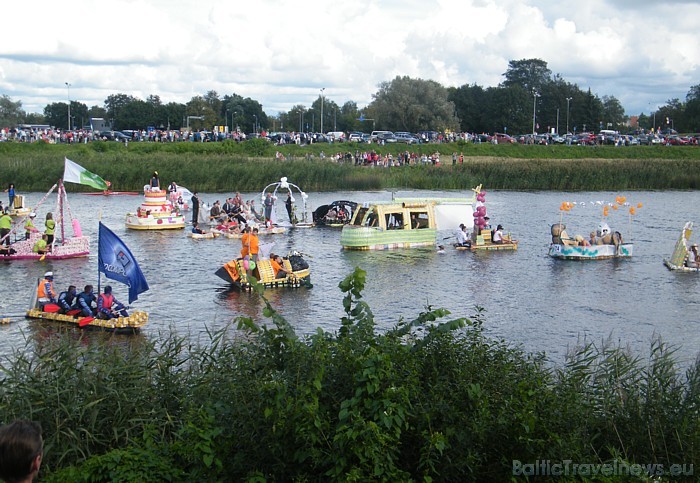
(529, 94)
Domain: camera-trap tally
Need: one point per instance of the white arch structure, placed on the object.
(291, 188)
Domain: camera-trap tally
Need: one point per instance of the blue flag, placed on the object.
(117, 263)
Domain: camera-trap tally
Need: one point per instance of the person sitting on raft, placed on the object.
(278, 266)
(463, 237)
(40, 245)
(45, 292)
(84, 302)
(67, 299)
(109, 307)
(693, 260)
(498, 235)
(196, 229)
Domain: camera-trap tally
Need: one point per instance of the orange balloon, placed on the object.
(632, 210)
(639, 205)
(614, 207)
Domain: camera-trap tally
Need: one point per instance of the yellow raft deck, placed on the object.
(483, 243)
(235, 273)
(131, 324)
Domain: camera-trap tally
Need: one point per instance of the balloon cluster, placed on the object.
(480, 212)
(566, 206)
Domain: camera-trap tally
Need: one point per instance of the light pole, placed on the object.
(568, 99)
(68, 86)
(255, 126)
(322, 89)
(535, 95)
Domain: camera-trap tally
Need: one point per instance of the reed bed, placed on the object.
(432, 399)
(250, 166)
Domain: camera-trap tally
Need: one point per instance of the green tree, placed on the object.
(613, 113)
(115, 105)
(692, 110)
(406, 104)
(527, 73)
(507, 110)
(56, 114)
(11, 112)
(468, 101)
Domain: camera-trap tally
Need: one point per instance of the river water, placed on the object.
(531, 300)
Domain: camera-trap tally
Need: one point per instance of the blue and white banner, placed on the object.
(117, 263)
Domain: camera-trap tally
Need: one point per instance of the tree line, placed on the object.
(530, 98)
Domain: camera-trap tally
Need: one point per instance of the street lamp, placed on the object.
(68, 86)
(535, 95)
(255, 126)
(568, 99)
(322, 89)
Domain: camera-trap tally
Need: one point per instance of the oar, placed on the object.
(85, 321)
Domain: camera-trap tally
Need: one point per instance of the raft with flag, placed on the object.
(26, 241)
(117, 263)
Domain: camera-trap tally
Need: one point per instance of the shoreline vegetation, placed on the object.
(433, 399)
(247, 166)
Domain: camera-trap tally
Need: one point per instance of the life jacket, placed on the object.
(106, 300)
(41, 290)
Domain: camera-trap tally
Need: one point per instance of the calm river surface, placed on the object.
(530, 299)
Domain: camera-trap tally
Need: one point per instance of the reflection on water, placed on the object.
(530, 299)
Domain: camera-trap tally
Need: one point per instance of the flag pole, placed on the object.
(99, 278)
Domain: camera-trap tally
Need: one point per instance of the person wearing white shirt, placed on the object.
(498, 235)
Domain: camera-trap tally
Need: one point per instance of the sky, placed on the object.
(281, 53)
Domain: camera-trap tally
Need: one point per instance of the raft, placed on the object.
(677, 261)
(121, 325)
(234, 272)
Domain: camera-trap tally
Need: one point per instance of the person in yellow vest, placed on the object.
(29, 227)
(40, 245)
(50, 225)
(5, 227)
(45, 292)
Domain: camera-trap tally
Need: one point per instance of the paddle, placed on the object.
(85, 321)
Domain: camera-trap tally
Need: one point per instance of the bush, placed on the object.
(431, 399)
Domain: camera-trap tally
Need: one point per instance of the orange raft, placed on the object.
(235, 273)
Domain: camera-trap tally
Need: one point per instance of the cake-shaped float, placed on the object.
(155, 213)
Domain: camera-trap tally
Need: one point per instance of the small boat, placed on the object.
(18, 210)
(116, 262)
(604, 244)
(610, 245)
(335, 214)
(677, 262)
(64, 247)
(403, 223)
(210, 235)
(155, 213)
(235, 273)
(483, 242)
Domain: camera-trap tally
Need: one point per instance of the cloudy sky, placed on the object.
(282, 52)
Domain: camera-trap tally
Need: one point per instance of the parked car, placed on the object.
(501, 138)
(356, 136)
(406, 137)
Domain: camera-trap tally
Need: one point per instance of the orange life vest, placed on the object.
(107, 300)
(41, 290)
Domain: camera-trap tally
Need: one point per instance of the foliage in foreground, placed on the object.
(429, 400)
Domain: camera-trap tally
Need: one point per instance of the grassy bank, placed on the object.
(433, 399)
(250, 166)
